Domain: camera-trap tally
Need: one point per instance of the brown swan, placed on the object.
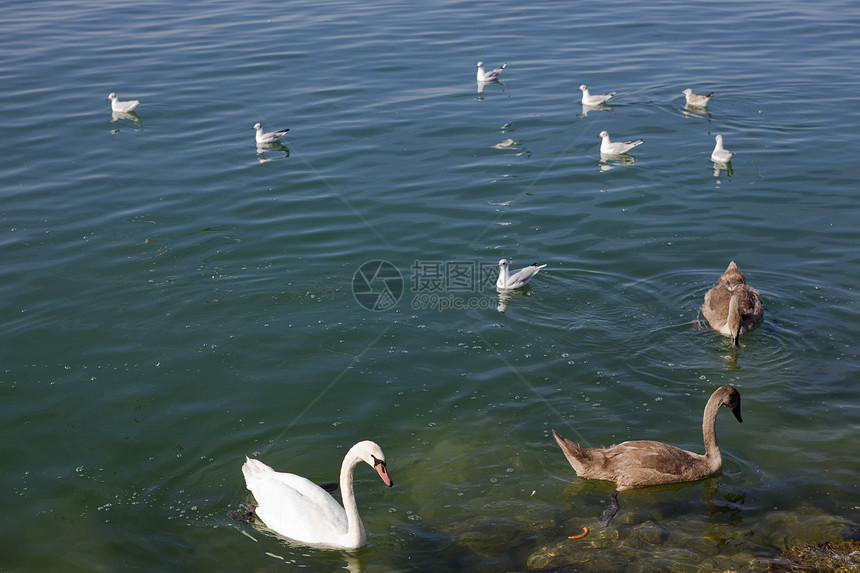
(641, 463)
(733, 307)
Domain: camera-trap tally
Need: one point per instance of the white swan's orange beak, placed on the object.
(383, 473)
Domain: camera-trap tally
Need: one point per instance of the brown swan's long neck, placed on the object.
(733, 320)
(709, 432)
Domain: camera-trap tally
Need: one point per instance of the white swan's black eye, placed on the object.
(377, 461)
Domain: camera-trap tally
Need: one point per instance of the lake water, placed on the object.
(174, 300)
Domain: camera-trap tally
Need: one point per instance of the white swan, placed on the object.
(510, 281)
(300, 510)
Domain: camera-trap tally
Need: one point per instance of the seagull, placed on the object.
(697, 100)
(593, 100)
(491, 75)
(122, 106)
(270, 137)
(720, 155)
(517, 279)
(607, 147)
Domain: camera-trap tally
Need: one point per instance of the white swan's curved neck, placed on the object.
(355, 533)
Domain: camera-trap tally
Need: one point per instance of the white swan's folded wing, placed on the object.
(294, 506)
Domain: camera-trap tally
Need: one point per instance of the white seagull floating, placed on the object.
(510, 281)
(593, 100)
(300, 510)
(122, 106)
(697, 100)
(608, 147)
(491, 75)
(270, 137)
(720, 154)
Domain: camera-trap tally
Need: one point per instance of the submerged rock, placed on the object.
(832, 556)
